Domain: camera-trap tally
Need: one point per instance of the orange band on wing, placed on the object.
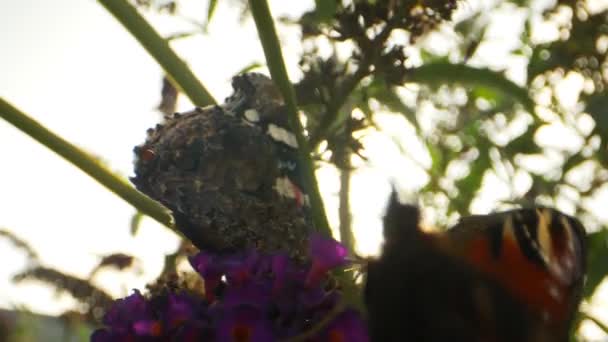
(527, 281)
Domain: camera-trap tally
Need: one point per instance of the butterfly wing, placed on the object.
(511, 276)
(537, 254)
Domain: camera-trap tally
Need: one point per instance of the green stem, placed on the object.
(597, 322)
(345, 168)
(160, 50)
(274, 59)
(86, 163)
(322, 324)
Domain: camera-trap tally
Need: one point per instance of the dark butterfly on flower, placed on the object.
(510, 276)
(230, 173)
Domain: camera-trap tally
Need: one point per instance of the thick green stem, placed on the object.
(344, 164)
(86, 163)
(274, 59)
(346, 233)
(160, 50)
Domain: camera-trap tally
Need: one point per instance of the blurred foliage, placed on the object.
(92, 299)
(487, 123)
(32, 255)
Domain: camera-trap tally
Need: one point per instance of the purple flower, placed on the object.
(127, 310)
(209, 267)
(326, 253)
(279, 266)
(129, 315)
(151, 328)
(180, 308)
(241, 267)
(257, 295)
(347, 327)
(129, 318)
(193, 331)
(104, 335)
(262, 298)
(244, 324)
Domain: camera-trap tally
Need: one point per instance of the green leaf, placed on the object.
(470, 184)
(385, 94)
(597, 107)
(428, 57)
(250, 67)
(136, 222)
(447, 73)
(597, 267)
(486, 93)
(491, 95)
(437, 162)
(573, 161)
(210, 11)
(525, 143)
(325, 9)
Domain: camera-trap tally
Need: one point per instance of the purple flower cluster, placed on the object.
(248, 297)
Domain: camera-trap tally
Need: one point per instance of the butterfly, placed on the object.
(230, 173)
(509, 276)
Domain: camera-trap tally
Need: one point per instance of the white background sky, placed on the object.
(71, 66)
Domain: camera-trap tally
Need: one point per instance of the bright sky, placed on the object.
(72, 66)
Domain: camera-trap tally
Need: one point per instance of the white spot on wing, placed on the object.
(252, 115)
(282, 135)
(284, 187)
(306, 200)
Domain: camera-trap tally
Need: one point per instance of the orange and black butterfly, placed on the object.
(510, 276)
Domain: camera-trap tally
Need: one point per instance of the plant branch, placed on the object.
(347, 237)
(274, 59)
(160, 50)
(86, 163)
(597, 322)
(372, 50)
(322, 324)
